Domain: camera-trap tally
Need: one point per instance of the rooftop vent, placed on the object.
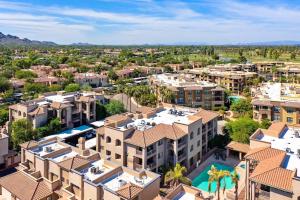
(48, 149)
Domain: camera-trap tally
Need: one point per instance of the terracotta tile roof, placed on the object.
(152, 135)
(260, 154)
(37, 111)
(193, 88)
(25, 187)
(73, 163)
(58, 105)
(262, 102)
(206, 115)
(240, 147)
(279, 178)
(293, 104)
(86, 98)
(129, 191)
(275, 129)
(29, 144)
(116, 118)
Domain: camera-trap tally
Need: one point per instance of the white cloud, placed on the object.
(164, 22)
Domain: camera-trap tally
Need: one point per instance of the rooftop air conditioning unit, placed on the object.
(93, 170)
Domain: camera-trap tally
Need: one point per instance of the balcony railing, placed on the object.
(139, 152)
(151, 152)
(151, 165)
(181, 144)
(180, 157)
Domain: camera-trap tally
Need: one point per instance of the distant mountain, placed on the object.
(14, 40)
(82, 44)
(270, 43)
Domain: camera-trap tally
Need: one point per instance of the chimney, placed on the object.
(81, 143)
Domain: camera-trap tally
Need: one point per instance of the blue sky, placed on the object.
(151, 21)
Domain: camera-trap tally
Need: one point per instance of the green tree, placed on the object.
(114, 107)
(242, 107)
(176, 176)
(55, 87)
(72, 87)
(3, 116)
(4, 84)
(235, 180)
(216, 175)
(25, 74)
(35, 88)
(86, 87)
(54, 126)
(21, 132)
(241, 129)
(100, 111)
(265, 123)
(112, 75)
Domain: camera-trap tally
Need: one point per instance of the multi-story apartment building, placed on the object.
(73, 109)
(230, 79)
(51, 169)
(92, 79)
(273, 163)
(276, 102)
(188, 91)
(157, 137)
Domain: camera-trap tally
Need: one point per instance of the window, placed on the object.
(191, 135)
(108, 153)
(289, 110)
(108, 139)
(117, 156)
(289, 120)
(198, 143)
(118, 142)
(192, 148)
(198, 131)
(160, 155)
(160, 142)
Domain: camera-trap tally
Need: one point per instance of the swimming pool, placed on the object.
(201, 181)
(234, 98)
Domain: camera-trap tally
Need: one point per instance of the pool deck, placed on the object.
(233, 162)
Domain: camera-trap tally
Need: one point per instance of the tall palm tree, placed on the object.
(235, 179)
(176, 176)
(217, 175)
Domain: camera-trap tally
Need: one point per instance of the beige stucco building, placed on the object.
(273, 163)
(72, 109)
(276, 102)
(92, 79)
(154, 138)
(189, 91)
(51, 169)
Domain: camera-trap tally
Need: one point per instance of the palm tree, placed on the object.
(167, 95)
(176, 175)
(235, 179)
(217, 175)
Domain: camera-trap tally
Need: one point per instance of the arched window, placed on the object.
(198, 131)
(118, 142)
(108, 139)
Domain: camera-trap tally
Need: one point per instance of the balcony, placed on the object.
(137, 166)
(150, 152)
(181, 144)
(181, 157)
(151, 165)
(139, 152)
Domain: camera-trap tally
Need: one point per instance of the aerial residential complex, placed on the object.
(276, 102)
(233, 78)
(273, 163)
(189, 91)
(159, 137)
(72, 109)
(51, 169)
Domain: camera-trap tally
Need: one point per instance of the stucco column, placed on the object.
(88, 111)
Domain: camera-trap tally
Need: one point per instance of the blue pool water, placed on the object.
(201, 181)
(234, 98)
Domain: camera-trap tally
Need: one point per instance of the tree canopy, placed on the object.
(72, 87)
(241, 129)
(114, 107)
